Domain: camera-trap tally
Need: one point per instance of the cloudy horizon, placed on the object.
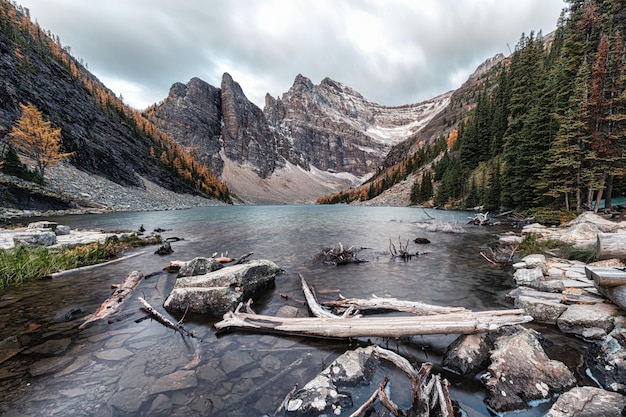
(393, 52)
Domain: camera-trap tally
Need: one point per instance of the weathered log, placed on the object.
(454, 323)
(376, 303)
(116, 300)
(611, 245)
(606, 276)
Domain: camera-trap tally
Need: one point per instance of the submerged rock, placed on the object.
(220, 291)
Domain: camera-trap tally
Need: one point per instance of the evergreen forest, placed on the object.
(548, 128)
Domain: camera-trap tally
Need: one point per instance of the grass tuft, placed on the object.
(21, 263)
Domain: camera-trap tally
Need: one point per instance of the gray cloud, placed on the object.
(391, 51)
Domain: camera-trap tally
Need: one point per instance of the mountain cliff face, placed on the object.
(313, 140)
(338, 129)
(107, 139)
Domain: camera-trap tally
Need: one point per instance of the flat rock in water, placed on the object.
(521, 372)
(588, 402)
(175, 381)
(588, 321)
(543, 311)
(50, 347)
(220, 291)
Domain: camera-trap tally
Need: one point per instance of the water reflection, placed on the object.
(133, 366)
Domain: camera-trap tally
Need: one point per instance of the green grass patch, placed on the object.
(532, 244)
(21, 263)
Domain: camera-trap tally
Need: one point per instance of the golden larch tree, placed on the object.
(37, 139)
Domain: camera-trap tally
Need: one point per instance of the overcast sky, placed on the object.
(391, 51)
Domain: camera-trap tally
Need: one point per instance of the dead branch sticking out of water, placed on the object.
(115, 301)
(164, 320)
(430, 394)
(502, 255)
(338, 255)
(402, 253)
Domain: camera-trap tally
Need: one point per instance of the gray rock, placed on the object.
(588, 402)
(44, 224)
(62, 230)
(588, 321)
(602, 224)
(220, 291)
(50, 347)
(522, 276)
(521, 372)
(536, 261)
(175, 381)
(543, 311)
(581, 232)
(469, 354)
(35, 237)
(529, 292)
(199, 266)
(321, 395)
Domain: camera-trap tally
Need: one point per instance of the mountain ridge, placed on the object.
(313, 139)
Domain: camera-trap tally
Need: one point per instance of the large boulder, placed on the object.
(35, 237)
(220, 291)
(588, 402)
(601, 224)
(588, 321)
(322, 395)
(520, 372)
(469, 353)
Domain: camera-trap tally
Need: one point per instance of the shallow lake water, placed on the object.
(133, 366)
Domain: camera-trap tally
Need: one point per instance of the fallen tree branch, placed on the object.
(164, 320)
(116, 300)
(377, 303)
(454, 323)
(315, 308)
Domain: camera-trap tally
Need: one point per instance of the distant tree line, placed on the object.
(552, 132)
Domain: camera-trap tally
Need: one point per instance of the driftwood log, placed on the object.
(377, 303)
(326, 327)
(611, 245)
(326, 324)
(115, 301)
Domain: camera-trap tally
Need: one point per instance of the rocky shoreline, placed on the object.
(69, 190)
